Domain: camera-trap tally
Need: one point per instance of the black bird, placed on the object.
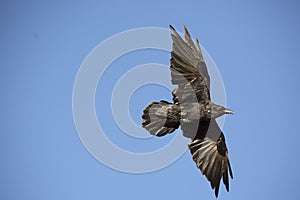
(193, 110)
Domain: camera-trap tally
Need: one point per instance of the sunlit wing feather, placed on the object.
(188, 66)
(210, 153)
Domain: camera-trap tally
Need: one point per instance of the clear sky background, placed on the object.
(255, 45)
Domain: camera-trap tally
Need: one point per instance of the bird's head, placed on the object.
(217, 111)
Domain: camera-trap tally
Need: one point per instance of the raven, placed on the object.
(193, 110)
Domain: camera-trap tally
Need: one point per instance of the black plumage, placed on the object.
(192, 110)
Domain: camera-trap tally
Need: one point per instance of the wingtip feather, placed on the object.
(186, 30)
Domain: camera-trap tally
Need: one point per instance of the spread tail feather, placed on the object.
(160, 118)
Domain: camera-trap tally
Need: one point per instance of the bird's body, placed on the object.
(192, 110)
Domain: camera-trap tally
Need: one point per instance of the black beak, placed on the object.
(228, 111)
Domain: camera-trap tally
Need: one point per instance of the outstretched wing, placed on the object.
(188, 68)
(210, 153)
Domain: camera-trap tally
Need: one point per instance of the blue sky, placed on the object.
(255, 45)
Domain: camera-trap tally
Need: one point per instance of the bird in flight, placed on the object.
(192, 110)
